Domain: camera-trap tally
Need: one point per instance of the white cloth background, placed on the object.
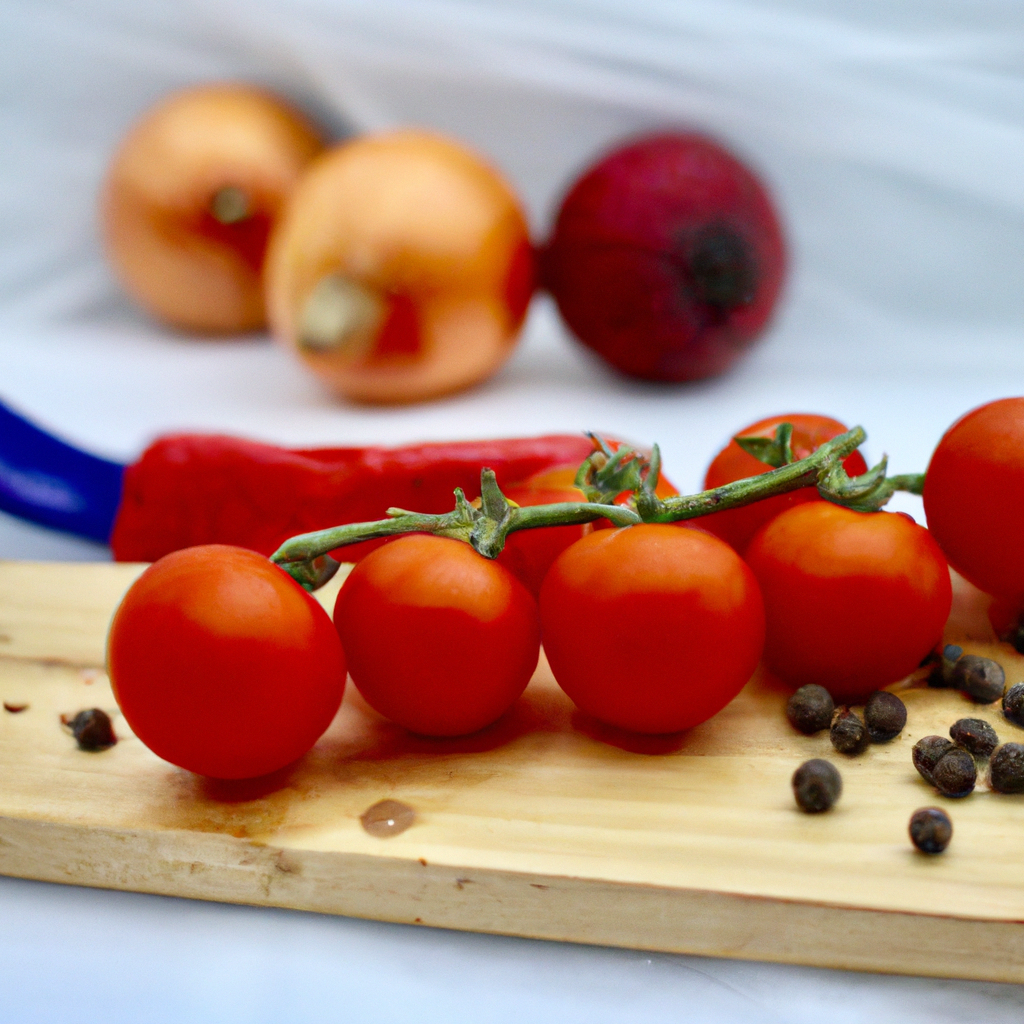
(892, 134)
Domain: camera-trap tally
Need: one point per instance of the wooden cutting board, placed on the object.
(544, 825)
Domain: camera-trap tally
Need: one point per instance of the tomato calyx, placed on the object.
(606, 472)
(605, 475)
(306, 557)
(774, 451)
(823, 469)
(867, 492)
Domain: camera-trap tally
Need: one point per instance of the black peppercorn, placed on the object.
(982, 679)
(975, 735)
(92, 729)
(816, 785)
(810, 709)
(941, 674)
(848, 734)
(884, 715)
(926, 754)
(1013, 704)
(930, 829)
(955, 773)
(1006, 769)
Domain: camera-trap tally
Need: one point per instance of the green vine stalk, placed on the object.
(603, 477)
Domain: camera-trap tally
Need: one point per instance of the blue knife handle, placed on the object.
(46, 481)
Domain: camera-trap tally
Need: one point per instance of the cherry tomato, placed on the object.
(530, 553)
(222, 664)
(853, 600)
(651, 628)
(439, 639)
(736, 526)
(974, 497)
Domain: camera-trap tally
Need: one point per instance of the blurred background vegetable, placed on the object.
(666, 258)
(191, 196)
(402, 270)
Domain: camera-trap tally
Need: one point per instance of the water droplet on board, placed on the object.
(387, 818)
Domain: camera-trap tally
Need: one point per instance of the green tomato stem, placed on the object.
(828, 459)
(602, 477)
(306, 557)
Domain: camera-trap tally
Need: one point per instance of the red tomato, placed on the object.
(222, 664)
(530, 553)
(853, 600)
(439, 639)
(555, 478)
(974, 497)
(651, 628)
(736, 526)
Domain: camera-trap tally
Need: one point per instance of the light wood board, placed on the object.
(541, 826)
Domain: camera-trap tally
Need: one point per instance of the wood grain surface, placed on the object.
(544, 825)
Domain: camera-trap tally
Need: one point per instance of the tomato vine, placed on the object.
(603, 476)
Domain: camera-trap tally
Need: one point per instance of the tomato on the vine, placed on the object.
(736, 526)
(663, 489)
(652, 628)
(438, 638)
(974, 497)
(853, 600)
(222, 664)
(530, 553)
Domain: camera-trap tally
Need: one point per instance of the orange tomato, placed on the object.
(402, 270)
(736, 526)
(973, 493)
(190, 199)
(853, 600)
(530, 553)
(222, 664)
(438, 639)
(651, 628)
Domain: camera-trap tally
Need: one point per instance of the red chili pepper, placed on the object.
(191, 489)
